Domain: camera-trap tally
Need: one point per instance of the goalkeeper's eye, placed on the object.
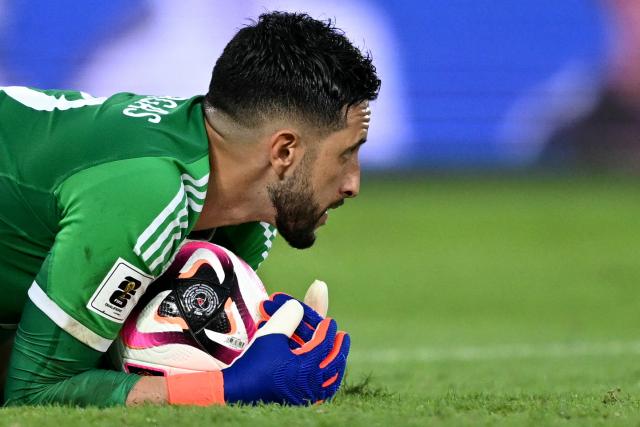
(349, 152)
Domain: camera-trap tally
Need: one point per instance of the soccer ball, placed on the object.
(198, 316)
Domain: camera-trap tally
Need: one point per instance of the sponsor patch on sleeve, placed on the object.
(119, 291)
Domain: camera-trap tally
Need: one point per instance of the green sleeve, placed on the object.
(251, 241)
(49, 366)
(120, 225)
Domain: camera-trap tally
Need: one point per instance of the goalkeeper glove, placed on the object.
(304, 333)
(269, 371)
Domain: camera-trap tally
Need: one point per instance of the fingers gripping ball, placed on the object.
(316, 304)
(306, 334)
(307, 326)
(269, 371)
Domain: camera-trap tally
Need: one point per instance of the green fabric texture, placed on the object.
(81, 180)
(49, 366)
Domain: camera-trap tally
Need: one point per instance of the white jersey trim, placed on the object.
(196, 182)
(269, 234)
(159, 220)
(188, 197)
(40, 101)
(179, 222)
(66, 322)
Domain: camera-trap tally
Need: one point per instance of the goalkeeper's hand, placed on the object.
(269, 371)
(316, 302)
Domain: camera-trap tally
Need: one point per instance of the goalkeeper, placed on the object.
(100, 192)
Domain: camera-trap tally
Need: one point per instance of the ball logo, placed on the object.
(201, 299)
(126, 290)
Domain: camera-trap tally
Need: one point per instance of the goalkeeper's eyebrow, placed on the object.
(355, 146)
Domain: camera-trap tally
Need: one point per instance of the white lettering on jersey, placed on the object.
(119, 291)
(153, 107)
(42, 102)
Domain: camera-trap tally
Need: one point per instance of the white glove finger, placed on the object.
(317, 297)
(284, 321)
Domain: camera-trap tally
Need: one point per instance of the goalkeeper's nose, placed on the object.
(351, 185)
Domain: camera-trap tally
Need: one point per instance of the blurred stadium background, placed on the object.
(476, 288)
(466, 83)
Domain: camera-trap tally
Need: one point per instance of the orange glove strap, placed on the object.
(200, 389)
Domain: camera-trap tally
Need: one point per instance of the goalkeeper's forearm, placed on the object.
(151, 390)
(49, 366)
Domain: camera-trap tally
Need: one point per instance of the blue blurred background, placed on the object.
(466, 83)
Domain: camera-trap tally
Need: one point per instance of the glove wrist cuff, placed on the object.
(200, 389)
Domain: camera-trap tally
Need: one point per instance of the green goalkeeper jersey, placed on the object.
(96, 196)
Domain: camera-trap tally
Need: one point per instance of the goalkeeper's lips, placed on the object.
(323, 218)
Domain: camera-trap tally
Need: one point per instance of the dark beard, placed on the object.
(297, 214)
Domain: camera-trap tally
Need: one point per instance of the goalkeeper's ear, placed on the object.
(317, 297)
(284, 321)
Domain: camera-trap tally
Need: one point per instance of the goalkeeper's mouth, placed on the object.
(323, 218)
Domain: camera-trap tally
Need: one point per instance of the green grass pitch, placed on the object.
(469, 301)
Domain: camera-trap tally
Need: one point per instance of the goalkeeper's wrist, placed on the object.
(200, 389)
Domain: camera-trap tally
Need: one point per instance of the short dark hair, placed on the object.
(293, 65)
